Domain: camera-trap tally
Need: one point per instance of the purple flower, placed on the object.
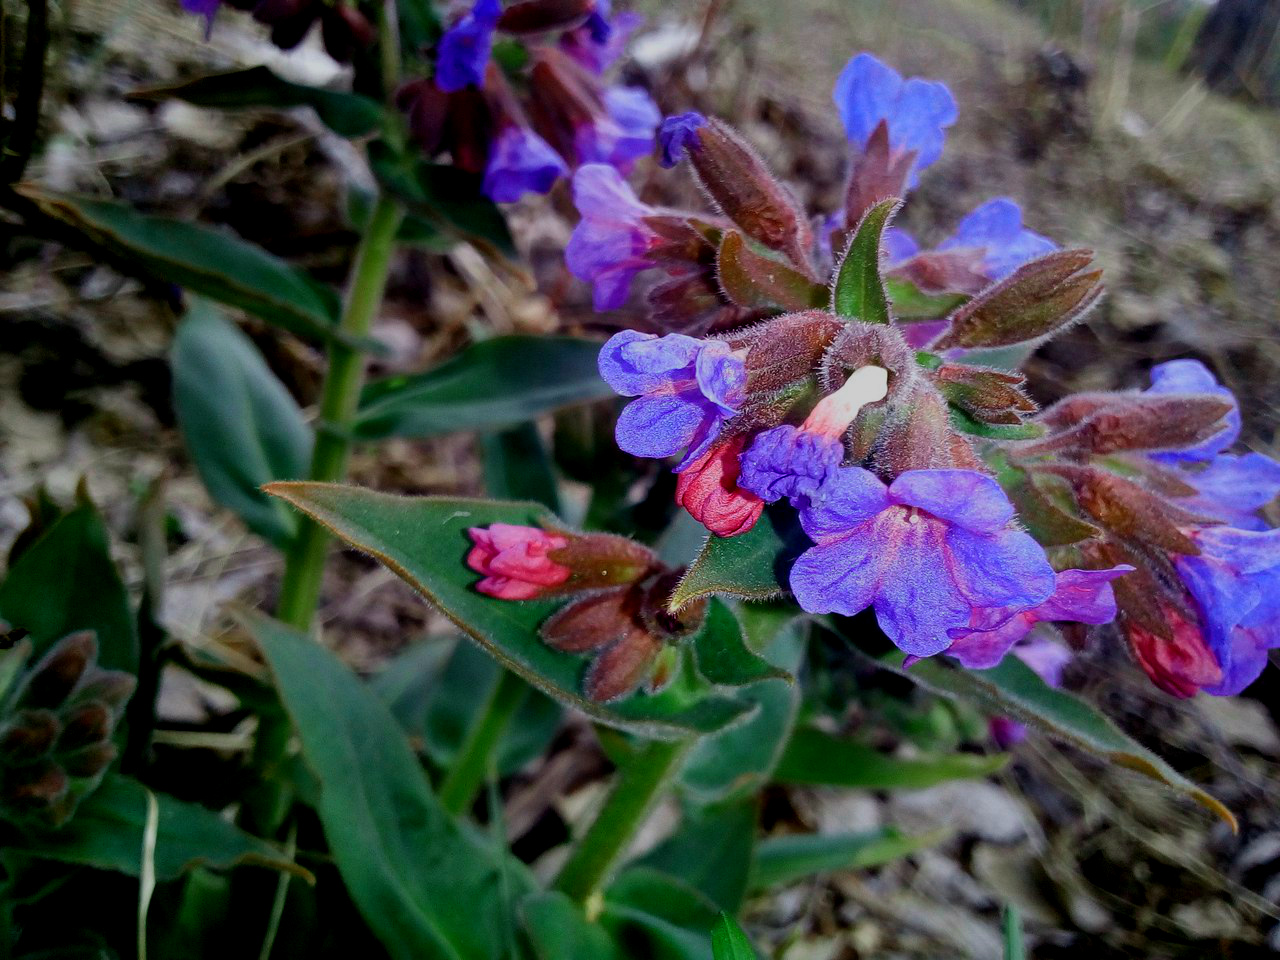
(898, 246)
(1192, 376)
(996, 226)
(520, 162)
(624, 134)
(464, 48)
(928, 553)
(917, 111)
(1233, 488)
(686, 388)
(1235, 583)
(1081, 596)
(203, 8)
(679, 133)
(600, 40)
(608, 246)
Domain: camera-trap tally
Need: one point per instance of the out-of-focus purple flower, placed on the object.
(917, 111)
(996, 227)
(600, 40)
(1235, 582)
(677, 134)
(1192, 376)
(1080, 596)
(464, 49)
(623, 135)
(1233, 488)
(203, 8)
(928, 553)
(608, 246)
(520, 162)
(685, 389)
(898, 246)
(1048, 659)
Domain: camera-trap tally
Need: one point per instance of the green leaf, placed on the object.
(752, 565)
(346, 114)
(910, 303)
(816, 757)
(859, 290)
(420, 880)
(517, 467)
(994, 431)
(490, 385)
(711, 851)
(557, 930)
(753, 279)
(728, 942)
(419, 26)
(67, 581)
(107, 833)
(241, 426)
(723, 656)
(424, 540)
(442, 194)
(211, 262)
(786, 859)
(658, 916)
(1013, 689)
(1011, 928)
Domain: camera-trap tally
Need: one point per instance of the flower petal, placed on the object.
(659, 426)
(1007, 569)
(848, 497)
(965, 498)
(842, 577)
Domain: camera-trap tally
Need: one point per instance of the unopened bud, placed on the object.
(1122, 422)
(753, 280)
(878, 174)
(32, 788)
(622, 666)
(990, 396)
(1128, 510)
(28, 736)
(89, 761)
(537, 16)
(788, 349)
(86, 724)
(55, 676)
(593, 621)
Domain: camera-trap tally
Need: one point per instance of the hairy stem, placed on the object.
(477, 753)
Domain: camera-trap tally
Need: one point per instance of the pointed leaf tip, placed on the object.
(858, 291)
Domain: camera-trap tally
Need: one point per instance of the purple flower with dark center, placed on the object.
(608, 246)
(928, 553)
(686, 388)
(623, 135)
(464, 49)
(996, 227)
(520, 162)
(679, 133)
(916, 111)
(1192, 376)
(1079, 596)
(1235, 583)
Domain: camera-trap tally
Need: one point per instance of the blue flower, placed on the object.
(916, 111)
(520, 162)
(928, 553)
(608, 246)
(677, 134)
(996, 227)
(1192, 376)
(600, 40)
(465, 47)
(1233, 488)
(622, 136)
(686, 388)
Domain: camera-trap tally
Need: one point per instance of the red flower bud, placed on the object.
(1180, 666)
(515, 561)
(708, 489)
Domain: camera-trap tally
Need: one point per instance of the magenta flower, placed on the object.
(928, 553)
(1079, 596)
(520, 162)
(686, 388)
(916, 111)
(677, 134)
(515, 561)
(465, 47)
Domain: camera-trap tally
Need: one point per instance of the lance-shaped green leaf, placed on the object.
(712, 851)
(1013, 689)
(752, 565)
(558, 930)
(518, 467)
(751, 279)
(723, 656)
(211, 262)
(241, 426)
(107, 833)
(491, 385)
(1038, 299)
(787, 859)
(346, 114)
(728, 942)
(819, 758)
(419, 878)
(424, 540)
(658, 915)
(858, 290)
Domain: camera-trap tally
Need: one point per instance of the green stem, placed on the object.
(304, 559)
(476, 755)
(639, 786)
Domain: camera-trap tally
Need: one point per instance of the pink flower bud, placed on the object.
(516, 561)
(708, 489)
(1180, 666)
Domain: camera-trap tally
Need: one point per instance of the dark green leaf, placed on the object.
(752, 565)
(421, 881)
(211, 262)
(423, 539)
(419, 26)
(1013, 689)
(859, 290)
(107, 833)
(711, 851)
(724, 658)
(658, 916)
(241, 426)
(490, 385)
(347, 114)
(787, 859)
(913, 304)
(557, 930)
(67, 581)
(728, 942)
(517, 467)
(815, 757)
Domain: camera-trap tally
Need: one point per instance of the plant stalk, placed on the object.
(640, 784)
(476, 756)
